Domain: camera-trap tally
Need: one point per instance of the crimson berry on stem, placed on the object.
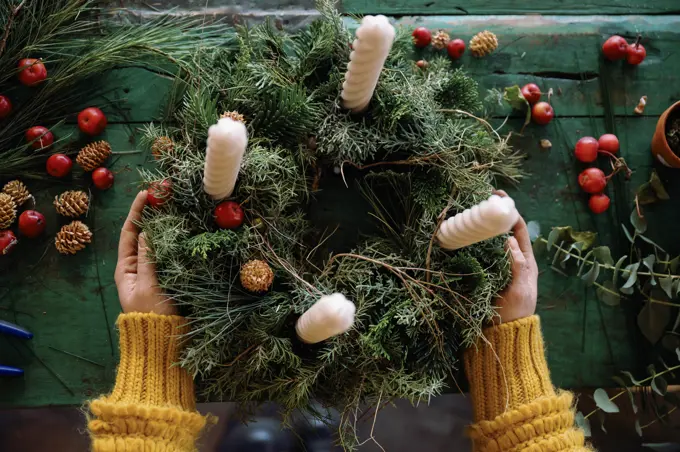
(228, 215)
(7, 242)
(34, 72)
(59, 165)
(92, 121)
(599, 203)
(102, 178)
(159, 193)
(542, 113)
(422, 37)
(31, 223)
(615, 48)
(636, 53)
(531, 92)
(5, 107)
(592, 180)
(609, 142)
(586, 149)
(455, 48)
(40, 137)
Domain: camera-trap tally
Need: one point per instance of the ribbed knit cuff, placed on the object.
(508, 369)
(148, 373)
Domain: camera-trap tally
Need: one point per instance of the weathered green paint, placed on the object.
(71, 302)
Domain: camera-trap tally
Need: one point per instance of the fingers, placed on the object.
(127, 246)
(146, 270)
(521, 233)
(518, 258)
(500, 193)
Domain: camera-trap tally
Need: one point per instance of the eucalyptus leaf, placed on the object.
(652, 321)
(659, 385)
(627, 290)
(631, 377)
(638, 429)
(584, 262)
(651, 242)
(649, 263)
(652, 191)
(603, 402)
(658, 187)
(627, 234)
(631, 397)
(632, 275)
(617, 267)
(534, 229)
(583, 424)
(568, 234)
(675, 262)
(604, 255)
(591, 276)
(608, 295)
(666, 284)
(539, 247)
(601, 418)
(553, 236)
(638, 222)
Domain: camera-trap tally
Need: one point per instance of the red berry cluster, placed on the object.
(617, 48)
(541, 112)
(422, 37)
(593, 180)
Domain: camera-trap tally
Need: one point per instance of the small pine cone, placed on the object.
(162, 146)
(483, 43)
(440, 39)
(256, 276)
(72, 203)
(18, 191)
(93, 155)
(8, 211)
(72, 238)
(236, 116)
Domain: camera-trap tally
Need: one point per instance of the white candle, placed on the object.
(328, 317)
(371, 47)
(227, 141)
(490, 218)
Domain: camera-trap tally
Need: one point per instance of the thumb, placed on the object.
(516, 254)
(146, 270)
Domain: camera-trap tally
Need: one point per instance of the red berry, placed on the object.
(599, 203)
(5, 107)
(34, 72)
(228, 215)
(31, 223)
(531, 92)
(92, 121)
(636, 54)
(592, 180)
(59, 165)
(102, 178)
(159, 193)
(455, 48)
(609, 142)
(422, 37)
(40, 137)
(586, 149)
(7, 241)
(615, 48)
(422, 64)
(542, 113)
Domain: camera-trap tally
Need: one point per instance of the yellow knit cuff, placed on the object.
(148, 374)
(508, 369)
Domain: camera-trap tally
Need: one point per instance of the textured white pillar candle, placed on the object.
(490, 218)
(371, 47)
(328, 317)
(227, 141)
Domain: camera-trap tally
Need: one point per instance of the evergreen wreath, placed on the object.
(416, 155)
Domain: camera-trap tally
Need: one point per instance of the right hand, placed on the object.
(135, 276)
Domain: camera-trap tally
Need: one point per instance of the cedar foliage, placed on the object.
(414, 313)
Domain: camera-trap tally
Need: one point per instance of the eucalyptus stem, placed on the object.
(640, 383)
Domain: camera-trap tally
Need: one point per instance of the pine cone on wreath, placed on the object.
(483, 43)
(256, 276)
(8, 211)
(236, 116)
(72, 203)
(93, 155)
(18, 191)
(440, 40)
(73, 237)
(162, 146)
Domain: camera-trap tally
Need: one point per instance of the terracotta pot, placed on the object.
(660, 148)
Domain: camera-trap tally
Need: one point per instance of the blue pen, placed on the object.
(13, 330)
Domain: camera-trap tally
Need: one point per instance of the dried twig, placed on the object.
(8, 27)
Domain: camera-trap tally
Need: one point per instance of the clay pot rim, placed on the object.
(664, 120)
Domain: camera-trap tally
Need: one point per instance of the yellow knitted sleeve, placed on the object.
(516, 407)
(152, 406)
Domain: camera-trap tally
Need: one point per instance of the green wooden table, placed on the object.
(70, 303)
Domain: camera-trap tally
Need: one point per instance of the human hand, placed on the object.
(518, 300)
(135, 276)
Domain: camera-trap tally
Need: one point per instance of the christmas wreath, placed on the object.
(244, 270)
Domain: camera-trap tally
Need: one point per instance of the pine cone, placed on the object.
(256, 276)
(483, 43)
(162, 146)
(18, 191)
(93, 155)
(72, 203)
(8, 211)
(72, 238)
(236, 116)
(440, 39)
